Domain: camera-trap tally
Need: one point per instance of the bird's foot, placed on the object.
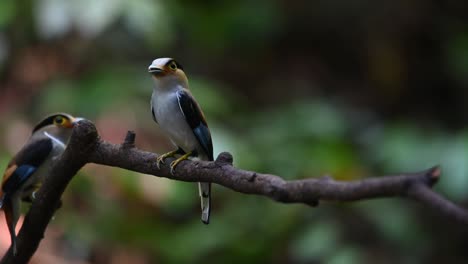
(160, 158)
(177, 161)
(33, 193)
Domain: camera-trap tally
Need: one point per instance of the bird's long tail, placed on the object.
(11, 218)
(204, 189)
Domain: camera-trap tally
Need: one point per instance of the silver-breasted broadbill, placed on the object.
(29, 167)
(180, 117)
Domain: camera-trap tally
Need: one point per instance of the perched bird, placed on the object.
(28, 168)
(180, 117)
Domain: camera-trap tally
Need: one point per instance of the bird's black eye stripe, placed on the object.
(179, 66)
(49, 121)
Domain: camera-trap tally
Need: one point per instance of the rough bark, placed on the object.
(85, 146)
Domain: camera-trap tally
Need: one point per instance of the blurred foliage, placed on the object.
(294, 88)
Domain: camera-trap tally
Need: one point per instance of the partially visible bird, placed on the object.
(29, 167)
(180, 117)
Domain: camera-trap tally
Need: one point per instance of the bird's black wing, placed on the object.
(196, 120)
(24, 164)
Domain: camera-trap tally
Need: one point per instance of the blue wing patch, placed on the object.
(196, 121)
(202, 133)
(18, 178)
(28, 159)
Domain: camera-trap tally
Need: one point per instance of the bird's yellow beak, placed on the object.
(76, 120)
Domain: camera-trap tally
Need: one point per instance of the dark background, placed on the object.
(301, 89)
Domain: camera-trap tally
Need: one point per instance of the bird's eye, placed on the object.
(173, 66)
(59, 120)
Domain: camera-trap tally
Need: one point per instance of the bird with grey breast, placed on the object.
(28, 168)
(181, 119)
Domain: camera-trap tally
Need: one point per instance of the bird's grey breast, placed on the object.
(172, 121)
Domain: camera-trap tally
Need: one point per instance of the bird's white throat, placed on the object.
(55, 140)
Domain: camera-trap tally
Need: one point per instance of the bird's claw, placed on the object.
(173, 166)
(172, 169)
(159, 161)
(33, 194)
(160, 158)
(177, 161)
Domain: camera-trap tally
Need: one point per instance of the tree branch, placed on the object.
(85, 146)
